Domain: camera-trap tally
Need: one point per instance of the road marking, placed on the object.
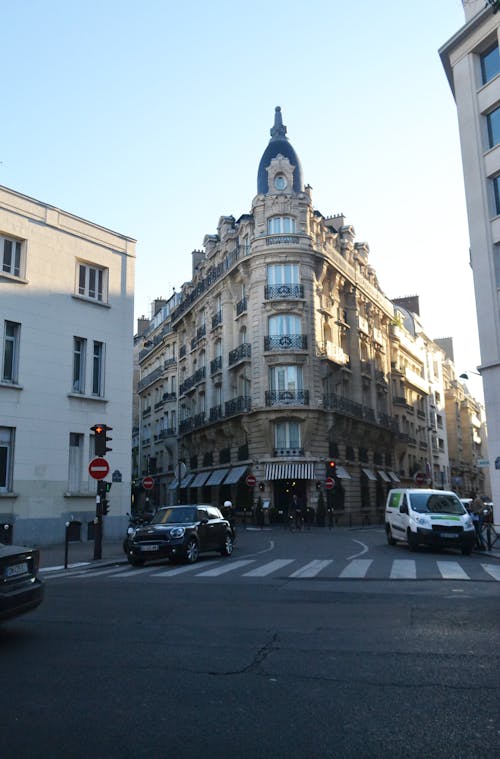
(451, 570)
(227, 567)
(181, 570)
(356, 568)
(266, 569)
(312, 569)
(403, 569)
(355, 555)
(91, 573)
(493, 570)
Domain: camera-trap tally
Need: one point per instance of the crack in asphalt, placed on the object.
(259, 657)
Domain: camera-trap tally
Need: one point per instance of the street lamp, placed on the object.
(465, 375)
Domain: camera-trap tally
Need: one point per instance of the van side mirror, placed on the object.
(403, 509)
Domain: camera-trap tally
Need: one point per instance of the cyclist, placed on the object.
(228, 513)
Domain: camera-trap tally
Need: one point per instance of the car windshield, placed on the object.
(436, 503)
(179, 515)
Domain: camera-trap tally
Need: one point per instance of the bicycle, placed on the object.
(296, 521)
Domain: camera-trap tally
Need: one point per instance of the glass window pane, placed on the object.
(81, 280)
(490, 64)
(494, 127)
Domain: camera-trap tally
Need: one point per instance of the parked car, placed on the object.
(21, 589)
(428, 517)
(181, 533)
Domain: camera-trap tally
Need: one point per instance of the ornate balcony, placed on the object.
(285, 343)
(240, 353)
(287, 397)
(239, 405)
(277, 292)
(216, 365)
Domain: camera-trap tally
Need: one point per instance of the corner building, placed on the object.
(284, 356)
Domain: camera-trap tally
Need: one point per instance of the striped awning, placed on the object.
(383, 475)
(394, 477)
(235, 474)
(342, 473)
(217, 476)
(369, 474)
(289, 471)
(200, 479)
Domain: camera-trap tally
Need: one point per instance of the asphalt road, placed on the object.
(276, 667)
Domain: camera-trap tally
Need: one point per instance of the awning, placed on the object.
(184, 482)
(289, 471)
(369, 474)
(217, 476)
(235, 474)
(383, 475)
(200, 479)
(342, 473)
(394, 477)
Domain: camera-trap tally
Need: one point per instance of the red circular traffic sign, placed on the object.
(329, 483)
(148, 483)
(251, 481)
(98, 468)
(420, 478)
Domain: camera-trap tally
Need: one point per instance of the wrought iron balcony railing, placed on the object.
(285, 342)
(239, 405)
(240, 353)
(275, 292)
(287, 397)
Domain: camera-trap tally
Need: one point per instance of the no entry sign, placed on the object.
(98, 468)
(251, 481)
(329, 483)
(148, 483)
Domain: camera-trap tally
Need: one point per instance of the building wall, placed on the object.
(461, 57)
(41, 407)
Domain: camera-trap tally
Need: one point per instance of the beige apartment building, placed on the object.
(282, 364)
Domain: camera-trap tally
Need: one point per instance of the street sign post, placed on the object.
(148, 483)
(329, 483)
(251, 481)
(98, 468)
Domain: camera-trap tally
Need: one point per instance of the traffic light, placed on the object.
(100, 439)
(331, 467)
(104, 506)
(103, 488)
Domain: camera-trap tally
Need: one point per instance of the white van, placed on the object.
(428, 517)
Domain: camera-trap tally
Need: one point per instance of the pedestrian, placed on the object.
(297, 511)
(477, 508)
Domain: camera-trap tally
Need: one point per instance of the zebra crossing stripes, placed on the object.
(493, 570)
(404, 569)
(451, 570)
(356, 569)
(223, 569)
(312, 569)
(269, 568)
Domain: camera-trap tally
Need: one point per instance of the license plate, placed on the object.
(149, 548)
(17, 569)
(448, 534)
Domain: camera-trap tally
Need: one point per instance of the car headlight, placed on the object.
(177, 532)
(423, 521)
(468, 525)
(131, 532)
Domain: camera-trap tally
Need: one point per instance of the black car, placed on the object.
(181, 533)
(21, 589)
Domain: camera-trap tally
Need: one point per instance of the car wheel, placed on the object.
(192, 551)
(135, 562)
(227, 548)
(412, 540)
(388, 533)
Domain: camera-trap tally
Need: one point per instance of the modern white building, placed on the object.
(66, 326)
(471, 60)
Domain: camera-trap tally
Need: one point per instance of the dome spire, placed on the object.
(279, 129)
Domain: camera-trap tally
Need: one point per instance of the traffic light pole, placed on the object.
(98, 528)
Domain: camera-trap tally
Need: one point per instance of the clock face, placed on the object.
(280, 182)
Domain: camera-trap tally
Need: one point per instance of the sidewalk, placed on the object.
(80, 553)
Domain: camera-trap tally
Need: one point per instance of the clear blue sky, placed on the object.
(151, 119)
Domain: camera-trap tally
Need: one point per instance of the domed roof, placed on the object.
(278, 144)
